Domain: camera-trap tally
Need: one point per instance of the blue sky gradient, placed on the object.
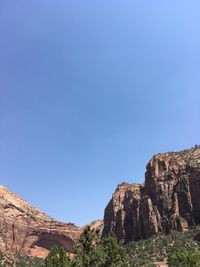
(89, 91)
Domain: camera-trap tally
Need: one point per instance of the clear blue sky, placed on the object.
(89, 91)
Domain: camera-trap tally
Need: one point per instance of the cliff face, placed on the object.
(169, 198)
(26, 230)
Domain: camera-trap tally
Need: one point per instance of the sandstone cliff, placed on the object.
(96, 225)
(169, 198)
(26, 230)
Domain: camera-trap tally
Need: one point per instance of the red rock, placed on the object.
(96, 225)
(169, 198)
(26, 230)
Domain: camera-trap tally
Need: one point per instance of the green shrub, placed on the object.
(184, 259)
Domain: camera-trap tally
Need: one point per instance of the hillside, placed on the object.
(26, 230)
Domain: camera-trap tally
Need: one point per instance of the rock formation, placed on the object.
(96, 225)
(26, 230)
(169, 198)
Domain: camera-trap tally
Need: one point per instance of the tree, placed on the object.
(116, 254)
(86, 248)
(57, 257)
(92, 251)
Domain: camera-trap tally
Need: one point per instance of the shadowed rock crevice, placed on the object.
(48, 239)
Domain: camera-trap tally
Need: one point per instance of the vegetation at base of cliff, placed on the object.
(161, 247)
(19, 261)
(187, 259)
(90, 251)
(93, 251)
(179, 248)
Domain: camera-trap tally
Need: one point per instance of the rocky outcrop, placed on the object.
(96, 225)
(169, 198)
(26, 230)
(122, 212)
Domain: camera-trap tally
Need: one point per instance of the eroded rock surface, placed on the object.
(169, 198)
(96, 225)
(26, 230)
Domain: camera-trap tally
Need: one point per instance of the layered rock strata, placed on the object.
(168, 199)
(26, 230)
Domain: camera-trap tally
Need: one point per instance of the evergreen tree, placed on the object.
(116, 254)
(86, 248)
(57, 257)
(95, 252)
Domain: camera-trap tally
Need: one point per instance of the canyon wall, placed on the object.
(168, 199)
(26, 230)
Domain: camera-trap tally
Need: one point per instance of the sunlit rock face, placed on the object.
(26, 230)
(169, 198)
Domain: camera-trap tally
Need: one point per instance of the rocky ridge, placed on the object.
(26, 230)
(168, 199)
